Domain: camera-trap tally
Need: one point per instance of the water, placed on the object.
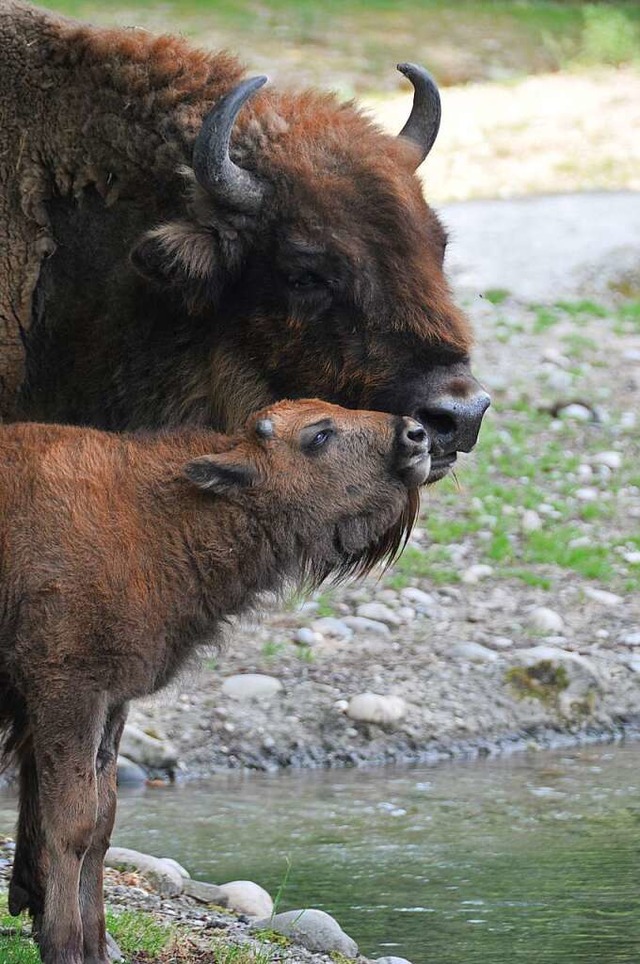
(534, 858)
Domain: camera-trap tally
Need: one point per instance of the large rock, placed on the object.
(204, 892)
(580, 683)
(162, 876)
(148, 751)
(313, 929)
(248, 898)
(130, 774)
(374, 708)
(251, 686)
(391, 960)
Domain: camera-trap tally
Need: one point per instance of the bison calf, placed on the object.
(120, 556)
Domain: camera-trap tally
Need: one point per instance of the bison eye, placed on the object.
(305, 281)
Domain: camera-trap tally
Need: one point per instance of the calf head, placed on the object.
(311, 264)
(336, 488)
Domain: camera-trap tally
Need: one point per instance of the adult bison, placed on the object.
(180, 246)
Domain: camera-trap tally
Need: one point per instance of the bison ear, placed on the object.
(180, 251)
(220, 473)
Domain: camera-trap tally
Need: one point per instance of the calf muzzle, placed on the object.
(413, 459)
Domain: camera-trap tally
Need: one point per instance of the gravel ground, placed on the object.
(514, 614)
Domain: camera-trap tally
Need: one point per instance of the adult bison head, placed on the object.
(311, 265)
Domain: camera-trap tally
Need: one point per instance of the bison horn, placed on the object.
(214, 169)
(424, 121)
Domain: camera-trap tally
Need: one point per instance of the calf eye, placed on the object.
(318, 440)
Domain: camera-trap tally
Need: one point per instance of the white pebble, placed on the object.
(374, 708)
(579, 413)
(379, 612)
(332, 627)
(587, 494)
(531, 521)
(476, 652)
(475, 573)
(602, 596)
(546, 620)
(423, 601)
(612, 460)
(306, 637)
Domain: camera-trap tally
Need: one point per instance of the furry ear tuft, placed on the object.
(179, 251)
(219, 474)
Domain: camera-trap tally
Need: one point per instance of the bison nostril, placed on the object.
(440, 423)
(417, 434)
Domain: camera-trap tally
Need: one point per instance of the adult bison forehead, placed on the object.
(310, 249)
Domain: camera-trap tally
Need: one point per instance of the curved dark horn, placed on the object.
(424, 121)
(214, 169)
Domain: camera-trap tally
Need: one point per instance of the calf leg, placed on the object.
(98, 947)
(66, 736)
(26, 888)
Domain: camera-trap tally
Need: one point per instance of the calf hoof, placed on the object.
(113, 951)
(18, 899)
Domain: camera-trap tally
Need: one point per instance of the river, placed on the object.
(530, 858)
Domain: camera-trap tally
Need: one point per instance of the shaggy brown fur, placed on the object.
(334, 287)
(120, 556)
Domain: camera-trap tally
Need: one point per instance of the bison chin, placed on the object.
(359, 544)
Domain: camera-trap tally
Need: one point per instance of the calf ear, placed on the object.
(220, 473)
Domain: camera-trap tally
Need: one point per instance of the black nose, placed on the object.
(453, 423)
(413, 459)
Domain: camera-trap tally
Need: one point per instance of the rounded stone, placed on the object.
(332, 627)
(579, 413)
(546, 620)
(374, 708)
(602, 596)
(391, 960)
(176, 866)
(250, 686)
(422, 601)
(148, 751)
(129, 773)
(612, 459)
(475, 652)
(475, 573)
(313, 929)
(164, 879)
(379, 612)
(306, 637)
(246, 897)
(361, 624)
(531, 521)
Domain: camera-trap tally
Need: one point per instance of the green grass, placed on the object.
(135, 932)
(271, 649)
(521, 464)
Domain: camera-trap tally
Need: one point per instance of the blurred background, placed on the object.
(539, 95)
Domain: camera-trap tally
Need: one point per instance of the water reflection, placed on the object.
(527, 859)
